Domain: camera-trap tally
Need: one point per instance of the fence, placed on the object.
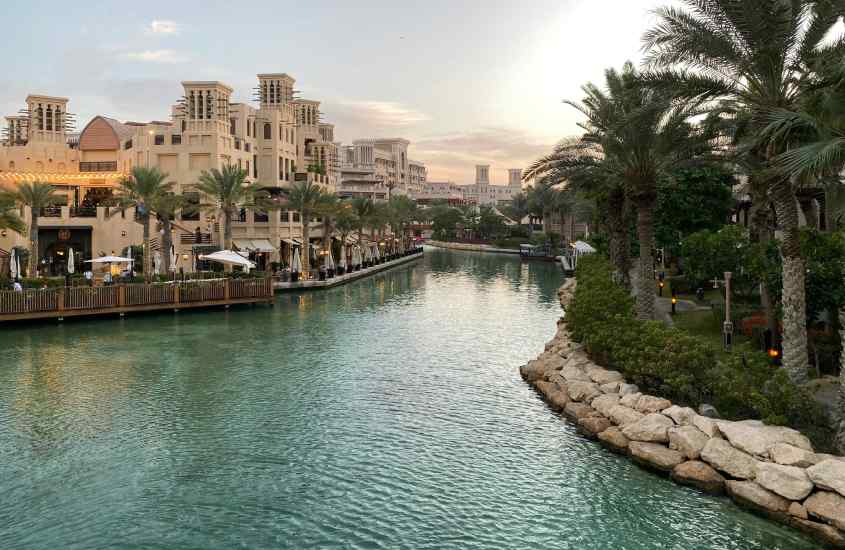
(58, 302)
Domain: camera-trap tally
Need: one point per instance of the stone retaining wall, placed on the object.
(772, 470)
(472, 247)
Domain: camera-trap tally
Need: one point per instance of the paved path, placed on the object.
(663, 305)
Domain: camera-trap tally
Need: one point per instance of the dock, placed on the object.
(65, 302)
(346, 277)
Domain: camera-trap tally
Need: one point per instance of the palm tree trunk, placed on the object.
(148, 254)
(166, 243)
(620, 250)
(33, 243)
(840, 434)
(759, 232)
(794, 292)
(227, 229)
(306, 244)
(645, 281)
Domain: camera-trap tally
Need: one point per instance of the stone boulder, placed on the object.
(545, 388)
(755, 497)
(583, 391)
(650, 404)
(832, 537)
(828, 507)
(758, 440)
(787, 481)
(576, 411)
(612, 387)
(622, 416)
(572, 374)
(688, 440)
(532, 371)
(591, 426)
(830, 475)
(613, 439)
(655, 456)
(603, 376)
(708, 410)
(700, 475)
(652, 428)
(630, 400)
(722, 456)
(628, 389)
(604, 403)
(559, 399)
(798, 510)
(682, 416)
(707, 425)
(789, 455)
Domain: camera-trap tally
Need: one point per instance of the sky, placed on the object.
(466, 81)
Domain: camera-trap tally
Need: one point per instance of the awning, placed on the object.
(289, 242)
(297, 242)
(243, 244)
(263, 245)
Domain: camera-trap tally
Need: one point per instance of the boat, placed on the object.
(541, 253)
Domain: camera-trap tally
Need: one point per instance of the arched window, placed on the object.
(268, 131)
(11, 165)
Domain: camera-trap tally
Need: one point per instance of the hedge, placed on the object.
(680, 366)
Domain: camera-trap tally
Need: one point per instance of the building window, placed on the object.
(247, 167)
(159, 139)
(268, 131)
(176, 139)
(260, 217)
(233, 126)
(184, 124)
(98, 166)
(282, 168)
(284, 216)
(255, 166)
(248, 129)
(128, 144)
(247, 147)
(296, 217)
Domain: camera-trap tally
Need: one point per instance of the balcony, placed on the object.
(98, 166)
(83, 212)
(51, 212)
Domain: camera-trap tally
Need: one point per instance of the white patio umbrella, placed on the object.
(14, 270)
(329, 259)
(228, 257)
(376, 252)
(157, 263)
(71, 267)
(342, 261)
(173, 258)
(296, 262)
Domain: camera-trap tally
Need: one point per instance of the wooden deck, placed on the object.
(59, 303)
(346, 278)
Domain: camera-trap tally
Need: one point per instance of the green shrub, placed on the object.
(678, 365)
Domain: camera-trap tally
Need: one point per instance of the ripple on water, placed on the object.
(385, 414)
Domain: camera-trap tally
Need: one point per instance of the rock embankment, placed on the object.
(772, 470)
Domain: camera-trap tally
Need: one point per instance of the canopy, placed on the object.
(342, 261)
(263, 245)
(173, 258)
(583, 248)
(227, 257)
(329, 259)
(14, 270)
(157, 263)
(71, 267)
(110, 260)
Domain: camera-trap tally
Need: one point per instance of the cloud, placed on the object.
(164, 27)
(156, 56)
(454, 156)
(376, 115)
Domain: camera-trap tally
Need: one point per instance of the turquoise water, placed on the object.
(387, 413)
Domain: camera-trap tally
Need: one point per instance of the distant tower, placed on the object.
(482, 174)
(515, 177)
(47, 118)
(275, 89)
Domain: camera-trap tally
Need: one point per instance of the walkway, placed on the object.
(346, 278)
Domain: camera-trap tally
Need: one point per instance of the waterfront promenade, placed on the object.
(59, 303)
(347, 277)
(473, 247)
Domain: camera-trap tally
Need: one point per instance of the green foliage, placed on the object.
(690, 200)
(676, 364)
(709, 254)
(489, 224)
(444, 221)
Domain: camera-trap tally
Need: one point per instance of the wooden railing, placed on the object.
(59, 302)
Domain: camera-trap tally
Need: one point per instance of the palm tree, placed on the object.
(328, 207)
(758, 56)
(36, 196)
(140, 190)
(643, 135)
(401, 212)
(586, 170)
(227, 192)
(346, 221)
(306, 196)
(363, 208)
(166, 206)
(9, 217)
(518, 207)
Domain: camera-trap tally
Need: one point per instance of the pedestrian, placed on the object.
(89, 277)
(16, 286)
(107, 278)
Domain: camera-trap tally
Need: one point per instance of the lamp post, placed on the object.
(727, 326)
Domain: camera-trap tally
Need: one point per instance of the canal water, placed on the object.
(387, 413)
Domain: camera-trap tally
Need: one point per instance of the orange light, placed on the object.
(774, 353)
(674, 300)
(661, 284)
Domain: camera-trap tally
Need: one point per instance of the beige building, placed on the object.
(280, 141)
(484, 192)
(379, 167)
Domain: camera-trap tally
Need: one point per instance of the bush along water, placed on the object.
(680, 366)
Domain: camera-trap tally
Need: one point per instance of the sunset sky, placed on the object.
(467, 81)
